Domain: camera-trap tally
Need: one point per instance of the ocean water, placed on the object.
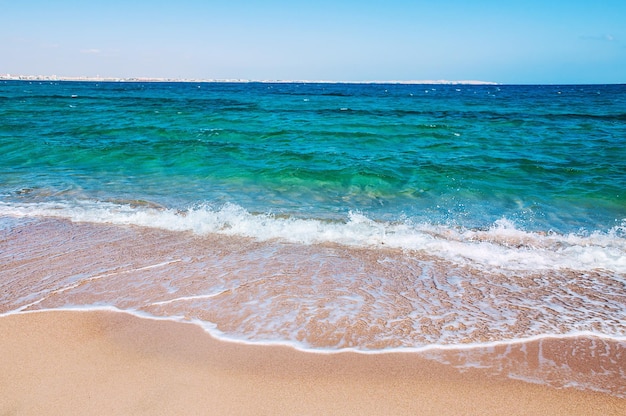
(367, 217)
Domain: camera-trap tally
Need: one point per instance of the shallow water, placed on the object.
(321, 296)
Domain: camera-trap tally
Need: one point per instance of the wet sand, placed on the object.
(107, 363)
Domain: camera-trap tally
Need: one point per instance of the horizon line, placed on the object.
(10, 77)
(98, 78)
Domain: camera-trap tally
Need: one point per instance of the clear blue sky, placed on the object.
(529, 41)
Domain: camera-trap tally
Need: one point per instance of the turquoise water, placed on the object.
(324, 216)
(545, 158)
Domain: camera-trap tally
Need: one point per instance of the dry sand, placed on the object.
(107, 363)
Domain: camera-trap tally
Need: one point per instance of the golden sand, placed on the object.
(107, 363)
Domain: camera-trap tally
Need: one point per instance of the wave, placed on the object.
(502, 246)
(215, 332)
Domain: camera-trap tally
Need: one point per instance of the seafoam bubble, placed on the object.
(503, 246)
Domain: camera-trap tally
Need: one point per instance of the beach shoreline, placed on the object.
(100, 362)
(235, 248)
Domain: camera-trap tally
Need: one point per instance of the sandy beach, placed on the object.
(71, 362)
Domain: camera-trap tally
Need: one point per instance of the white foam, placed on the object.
(212, 330)
(502, 246)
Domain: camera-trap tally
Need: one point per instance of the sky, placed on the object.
(511, 42)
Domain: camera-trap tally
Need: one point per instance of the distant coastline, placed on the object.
(11, 77)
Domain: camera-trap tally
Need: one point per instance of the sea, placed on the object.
(327, 216)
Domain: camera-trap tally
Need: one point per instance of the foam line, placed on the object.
(215, 333)
(501, 246)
